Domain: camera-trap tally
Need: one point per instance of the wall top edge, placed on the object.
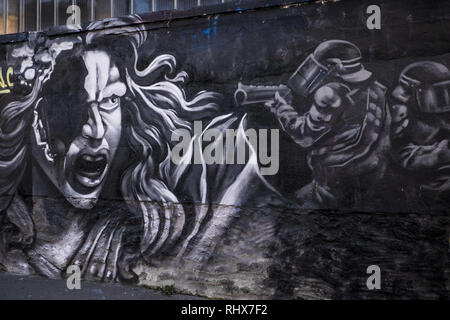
(166, 16)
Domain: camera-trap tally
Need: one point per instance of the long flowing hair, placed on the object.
(155, 105)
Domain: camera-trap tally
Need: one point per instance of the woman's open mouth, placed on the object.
(90, 169)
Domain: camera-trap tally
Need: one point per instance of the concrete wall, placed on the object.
(274, 152)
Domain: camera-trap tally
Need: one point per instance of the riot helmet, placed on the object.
(428, 83)
(337, 58)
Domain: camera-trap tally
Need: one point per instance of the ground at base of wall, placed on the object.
(17, 287)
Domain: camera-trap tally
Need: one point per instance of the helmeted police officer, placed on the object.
(340, 120)
(420, 108)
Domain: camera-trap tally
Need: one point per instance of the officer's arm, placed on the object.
(417, 157)
(414, 156)
(306, 129)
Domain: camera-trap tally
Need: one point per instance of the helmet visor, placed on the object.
(434, 98)
(308, 76)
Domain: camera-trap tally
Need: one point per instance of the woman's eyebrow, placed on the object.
(117, 88)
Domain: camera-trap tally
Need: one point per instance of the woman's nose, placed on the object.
(94, 128)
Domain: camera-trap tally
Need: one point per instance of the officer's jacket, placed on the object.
(421, 146)
(342, 145)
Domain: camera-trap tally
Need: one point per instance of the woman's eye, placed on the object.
(110, 103)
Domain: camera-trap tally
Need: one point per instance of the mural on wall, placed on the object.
(340, 119)
(87, 175)
(421, 128)
(346, 121)
(73, 128)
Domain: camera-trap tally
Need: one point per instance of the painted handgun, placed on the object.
(251, 94)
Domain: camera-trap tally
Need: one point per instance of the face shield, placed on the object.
(434, 98)
(307, 78)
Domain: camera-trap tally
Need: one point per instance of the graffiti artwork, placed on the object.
(5, 80)
(77, 128)
(343, 121)
(105, 149)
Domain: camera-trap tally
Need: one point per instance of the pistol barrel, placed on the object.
(250, 94)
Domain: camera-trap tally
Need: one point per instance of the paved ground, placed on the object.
(14, 287)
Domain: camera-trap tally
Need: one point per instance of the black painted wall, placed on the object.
(309, 231)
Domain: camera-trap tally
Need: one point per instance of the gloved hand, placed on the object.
(276, 103)
(328, 96)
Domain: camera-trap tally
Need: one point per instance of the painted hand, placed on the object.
(276, 103)
(327, 96)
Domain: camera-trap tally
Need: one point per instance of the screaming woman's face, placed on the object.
(77, 127)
